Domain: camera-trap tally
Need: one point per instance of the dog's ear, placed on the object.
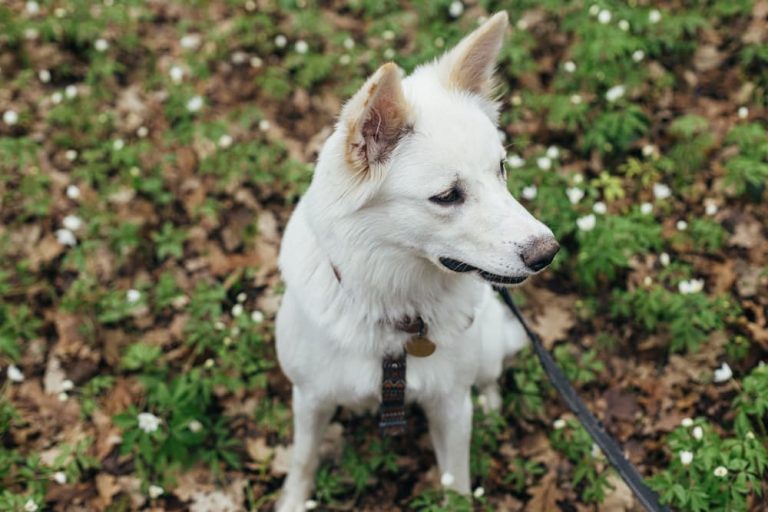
(470, 65)
(376, 119)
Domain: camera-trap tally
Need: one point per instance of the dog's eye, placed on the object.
(452, 196)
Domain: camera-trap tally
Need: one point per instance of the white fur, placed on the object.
(385, 238)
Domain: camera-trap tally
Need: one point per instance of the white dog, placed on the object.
(408, 217)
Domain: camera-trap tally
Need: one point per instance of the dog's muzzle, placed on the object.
(459, 266)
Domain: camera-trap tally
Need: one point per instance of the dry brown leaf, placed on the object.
(545, 495)
(282, 460)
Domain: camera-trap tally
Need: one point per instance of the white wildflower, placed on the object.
(195, 103)
(687, 422)
(281, 41)
(133, 296)
(264, 125)
(241, 297)
(310, 504)
(190, 41)
(388, 35)
(686, 457)
(349, 43)
(63, 396)
(587, 223)
(67, 385)
(594, 9)
(70, 155)
(646, 208)
(664, 259)
(209, 363)
(553, 152)
(148, 422)
(14, 374)
(60, 12)
(743, 112)
(721, 471)
(604, 16)
(514, 161)
(70, 91)
(56, 98)
(31, 34)
(60, 477)
(575, 194)
(65, 237)
(237, 310)
(559, 424)
(638, 55)
(681, 225)
(72, 222)
(44, 76)
(599, 208)
(118, 144)
(447, 480)
(569, 66)
(750, 436)
(30, 506)
(10, 117)
(345, 59)
(661, 191)
(195, 426)
(142, 132)
(250, 5)
(690, 286)
(389, 54)
(238, 58)
(301, 46)
(614, 93)
(176, 73)
(32, 8)
(155, 491)
(723, 374)
(219, 325)
(101, 45)
(698, 433)
(530, 192)
(256, 62)
(225, 141)
(456, 9)
(649, 150)
(576, 99)
(516, 100)
(478, 492)
(544, 163)
(654, 16)
(624, 25)
(710, 207)
(648, 281)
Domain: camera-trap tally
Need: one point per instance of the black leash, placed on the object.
(608, 444)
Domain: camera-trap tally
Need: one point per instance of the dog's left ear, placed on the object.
(470, 65)
(376, 119)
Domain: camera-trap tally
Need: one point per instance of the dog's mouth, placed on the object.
(460, 266)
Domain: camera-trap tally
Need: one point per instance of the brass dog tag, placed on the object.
(420, 346)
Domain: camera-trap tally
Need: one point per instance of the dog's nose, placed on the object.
(540, 252)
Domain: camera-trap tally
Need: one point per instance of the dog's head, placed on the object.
(420, 159)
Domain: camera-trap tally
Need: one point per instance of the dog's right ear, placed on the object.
(376, 119)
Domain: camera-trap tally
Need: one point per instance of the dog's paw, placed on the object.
(490, 398)
(288, 503)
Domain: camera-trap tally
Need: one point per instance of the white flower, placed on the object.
(569, 66)
(614, 93)
(578, 178)
(239, 58)
(256, 62)
(604, 16)
(209, 363)
(133, 296)
(60, 477)
(553, 152)
(638, 55)
(648, 281)
(575, 194)
(530, 192)
(148, 422)
(646, 208)
(63, 396)
(478, 492)
(596, 451)
(190, 41)
(661, 191)
(65, 237)
(176, 73)
(576, 99)
(698, 433)
(544, 163)
(155, 491)
(710, 207)
(70, 155)
(750, 436)
(649, 150)
(654, 16)
(664, 259)
(67, 385)
(70, 91)
(743, 112)
(686, 457)
(691, 286)
(44, 75)
(687, 422)
(142, 131)
(681, 225)
(388, 35)
(723, 374)
(31, 34)
(237, 310)
(195, 104)
(225, 141)
(118, 144)
(56, 98)
(241, 297)
(514, 161)
(32, 8)
(10, 117)
(195, 426)
(219, 326)
(60, 12)
(559, 424)
(594, 9)
(310, 504)
(250, 5)
(721, 471)
(30, 506)
(455, 9)
(349, 43)
(447, 480)
(72, 222)
(624, 25)
(587, 223)
(345, 59)
(281, 41)
(516, 100)
(101, 45)
(301, 46)
(264, 125)
(14, 374)
(389, 54)
(600, 208)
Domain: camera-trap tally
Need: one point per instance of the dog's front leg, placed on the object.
(310, 419)
(450, 427)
